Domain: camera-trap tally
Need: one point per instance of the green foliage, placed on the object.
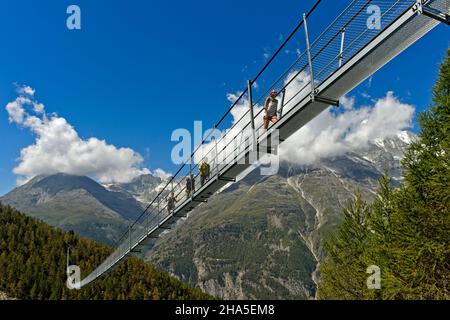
(33, 262)
(345, 249)
(406, 231)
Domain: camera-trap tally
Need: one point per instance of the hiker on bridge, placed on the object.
(270, 109)
(171, 200)
(190, 185)
(204, 170)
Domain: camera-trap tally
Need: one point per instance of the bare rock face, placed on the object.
(144, 188)
(3, 296)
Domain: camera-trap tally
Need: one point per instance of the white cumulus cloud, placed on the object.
(59, 148)
(26, 90)
(161, 174)
(332, 134)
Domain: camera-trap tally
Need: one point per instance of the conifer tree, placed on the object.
(405, 231)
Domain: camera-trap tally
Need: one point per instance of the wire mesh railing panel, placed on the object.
(352, 33)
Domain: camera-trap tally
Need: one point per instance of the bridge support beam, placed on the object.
(191, 176)
(341, 51)
(129, 232)
(327, 101)
(216, 154)
(422, 8)
(227, 179)
(283, 94)
(199, 200)
(308, 49)
(252, 116)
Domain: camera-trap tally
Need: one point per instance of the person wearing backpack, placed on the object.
(270, 109)
(190, 185)
(171, 203)
(204, 170)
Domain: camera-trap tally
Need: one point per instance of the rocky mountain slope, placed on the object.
(4, 296)
(144, 188)
(262, 238)
(76, 203)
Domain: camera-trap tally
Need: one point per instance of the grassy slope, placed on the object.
(87, 217)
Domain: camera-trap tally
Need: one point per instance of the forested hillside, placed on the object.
(406, 231)
(33, 262)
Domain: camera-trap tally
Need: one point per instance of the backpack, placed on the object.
(204, 168)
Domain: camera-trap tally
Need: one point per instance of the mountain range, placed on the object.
(262, 238)
(143, 188)
(76, 203)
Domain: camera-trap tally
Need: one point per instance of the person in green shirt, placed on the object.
(204, 170)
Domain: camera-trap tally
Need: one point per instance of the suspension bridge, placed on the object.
(361, 39)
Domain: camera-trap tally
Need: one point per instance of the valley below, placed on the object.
(261, 238)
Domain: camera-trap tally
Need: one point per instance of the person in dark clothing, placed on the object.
(190, 185)
(171, 200)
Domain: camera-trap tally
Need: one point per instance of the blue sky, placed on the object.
(138, 69)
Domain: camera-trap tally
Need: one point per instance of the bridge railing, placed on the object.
(344, 37)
